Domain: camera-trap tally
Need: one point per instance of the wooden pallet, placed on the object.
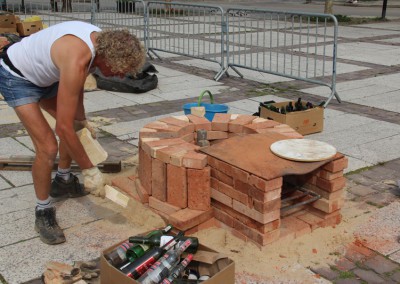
(24, 163)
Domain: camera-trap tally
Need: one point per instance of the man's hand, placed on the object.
(80, 124)
(94, 181)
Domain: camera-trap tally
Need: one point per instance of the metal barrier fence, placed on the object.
(186, 29)
(295, 45)
(102, 13)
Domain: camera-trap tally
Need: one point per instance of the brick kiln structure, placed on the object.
(193, 190)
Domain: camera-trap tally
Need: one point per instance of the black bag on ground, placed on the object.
(143, 82)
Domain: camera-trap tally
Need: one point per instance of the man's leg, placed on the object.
(65, 184)
(46, 151)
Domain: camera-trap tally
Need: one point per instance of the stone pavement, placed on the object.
(365, 127)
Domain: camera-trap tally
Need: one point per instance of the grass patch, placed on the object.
(374, 204)
(2, 280)
(346, 274)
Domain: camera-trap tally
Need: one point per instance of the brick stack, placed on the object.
(193, 191)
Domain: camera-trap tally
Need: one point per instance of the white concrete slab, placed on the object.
(7, 115)
(191, 46)
(360, 32)
(26, 141)
(17, 178)
(385, 25)
(4, 184)
(371, 52)
(380, 92)
(9, 147)
(249, 106)
(138, 98)
(102, 100)
(391, 40)
(192, 93)
(18, 198)
(386, 221)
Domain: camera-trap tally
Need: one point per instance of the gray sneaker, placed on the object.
(70, 188)
(46, 225)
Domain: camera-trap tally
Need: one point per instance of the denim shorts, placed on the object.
(17, 91)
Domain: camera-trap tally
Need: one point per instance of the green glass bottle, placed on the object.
(161, 240)
(137, 250)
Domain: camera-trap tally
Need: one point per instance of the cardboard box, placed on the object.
(305, 122)
(28, 28)
(222, 270)
(8, 21)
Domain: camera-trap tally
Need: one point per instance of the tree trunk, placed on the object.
(328, 7)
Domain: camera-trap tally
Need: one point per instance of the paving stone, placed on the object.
(381, 199)
(348, 281)
(17, 178)
(344, 264)
(396, 277)
(380, 173)
(381, 264)
(361, 179)
(325, 272)
(369, 276)
(3, 183)
(361, 190)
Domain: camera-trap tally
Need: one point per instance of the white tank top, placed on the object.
(32, 56)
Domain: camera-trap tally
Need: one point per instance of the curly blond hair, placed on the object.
(121, 50)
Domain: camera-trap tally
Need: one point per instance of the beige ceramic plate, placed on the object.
(303, 150)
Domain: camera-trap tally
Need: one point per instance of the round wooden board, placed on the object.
(303, 150)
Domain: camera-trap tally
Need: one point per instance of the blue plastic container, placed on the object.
(211, 109)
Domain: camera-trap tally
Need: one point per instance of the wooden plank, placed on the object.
(24, 163)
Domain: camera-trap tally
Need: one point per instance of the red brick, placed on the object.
(332, 221)
(254, 235)
(188, 137)
(188, 218)
(322, 214)
(187, 126)
(176, 186)
(199, 122)
(142, 193)
(236, 126)
(235, 194)
(262, 228)
(215, 135)
(265, 185)
(294, 135)
(165, 154)
(177, 158)
(223, 217)
(329, 175)
(314, 221)
(152, 133)
(328, 206)
(148, 146)
(223, 177)
(199, 191)
(145, 170)
(162, 206)
(250, 128)
(127, 185)
(265, 196)
(212, 162)
(286, 235)
(223, 198)
(220, 122)
(194, 160)
(254, 214)
(225, 168)
(159, 180)
(325, 194)
(214, 183)
(211, 223)
(240, 175)
(162, 126)
(337, 165)
(264, 207)
(331, 185)
(243, 187)
(298, 226)
(192, 231)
